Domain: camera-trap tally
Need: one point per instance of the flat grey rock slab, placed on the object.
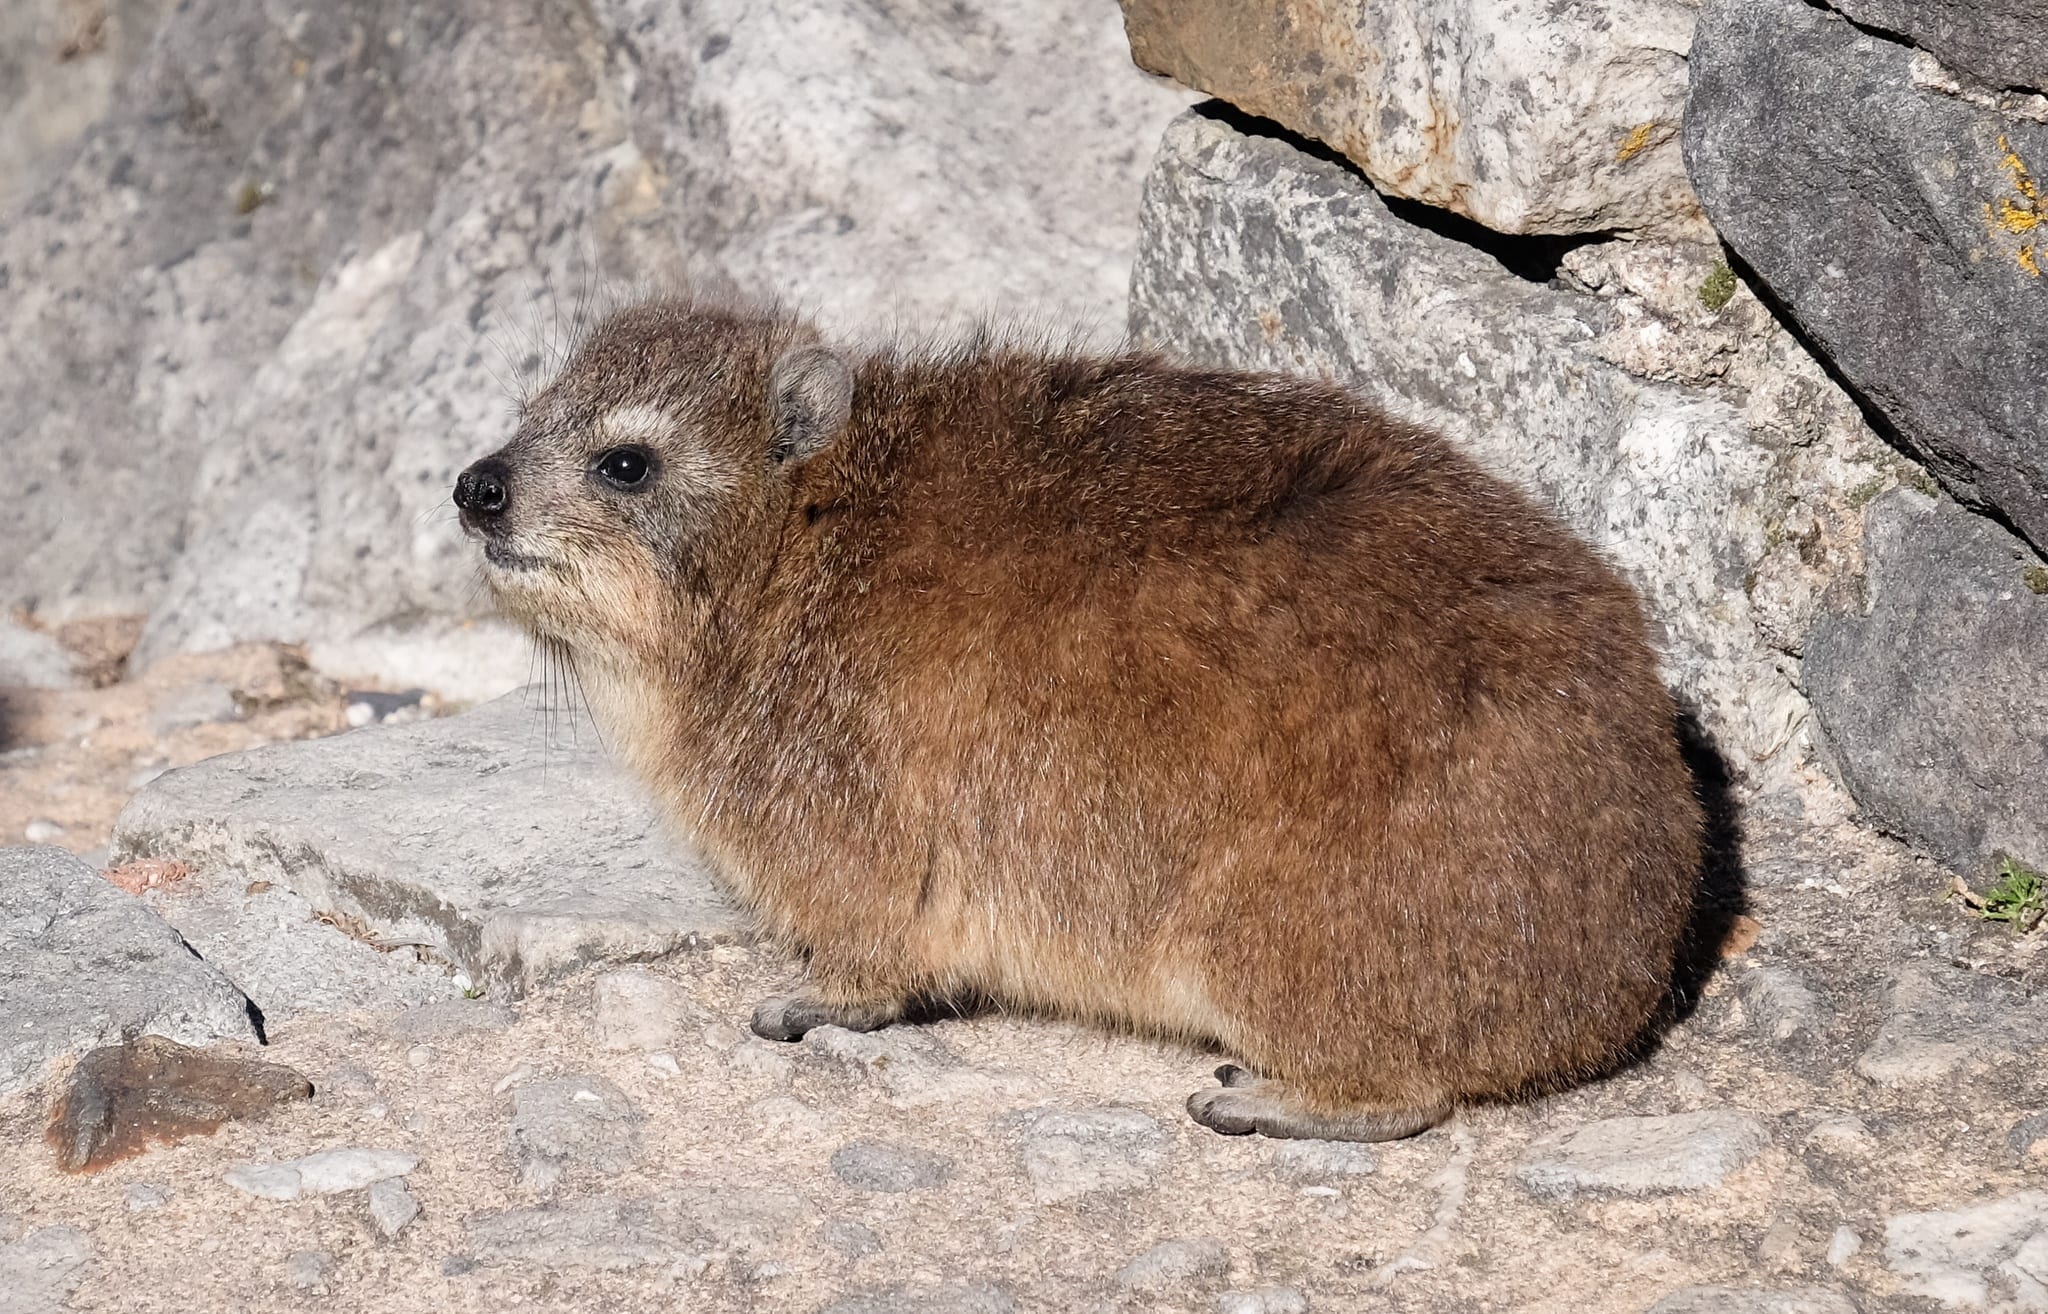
(1928, 682)
(1808, 139)
(30, 659)
(504, 840)
(1939, 1020)
(39, 1271)
(83, 964)
(1642, 1156)
(611, 1233)
(1993, 1254)
(1735, 1300)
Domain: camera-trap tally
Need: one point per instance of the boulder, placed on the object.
(1528, 118)
(282, 291)
(504, 841)
(1929, 683)
(1996, 42)
(1610, 399)
(1897, 220)
(83, 965)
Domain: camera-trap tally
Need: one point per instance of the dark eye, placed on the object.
(622, 467)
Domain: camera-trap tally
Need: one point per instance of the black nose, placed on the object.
(480, 490)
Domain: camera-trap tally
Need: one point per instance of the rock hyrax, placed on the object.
(1215, 705)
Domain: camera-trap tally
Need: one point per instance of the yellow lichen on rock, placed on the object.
(2020, 213)
(1633, 144)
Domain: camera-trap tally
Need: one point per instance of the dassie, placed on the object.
(1215, 705)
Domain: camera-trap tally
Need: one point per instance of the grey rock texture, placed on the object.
(1643, 1156)
(30, 659)
(60, 64)
(1528, 118)
(1780, 1005)
(392, 1207)
(291, 275)
(1939, 1020)
(1997, 42)
(1988, 1255)
(503, 840)
(1171, 1265)
(1929, 684)
(978, 1297)
(608, 1233)
(1735, 1300)
(1694, 447)
(83, 965)
(874, 1166)
(39, 1270)
(581, 1122)
(1068, 1153)
(1809, 139)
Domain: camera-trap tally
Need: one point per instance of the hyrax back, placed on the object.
(1212, 704)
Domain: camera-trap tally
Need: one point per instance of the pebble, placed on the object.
(144, 1195)
(1841, 1136)
(849, 1237)
(419, 1056)
(330, 1172)
(310, 1270)
(763, 1058)
(1315, 1161)
(265, 1181)
(873, 1166)
(1263, 1300)
(578, 1120)
(392, 1206)
(520, 1072)
(1642, 1156)
(634, 1008)
(1780, 1005)
(2029, 1140)
(1843, 1246)
(42, 831)
(665, 1063)
(1736, 1300)
(1174, 1263)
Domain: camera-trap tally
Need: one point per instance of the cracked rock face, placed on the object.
(84, 965)
(1895, 216)
(1528, 118)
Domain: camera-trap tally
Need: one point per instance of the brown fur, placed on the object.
(1218, 705)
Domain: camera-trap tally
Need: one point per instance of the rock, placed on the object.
(141, 1197)
(1734, 1300)
(1263, 1300)
(638, 1009)
(1806, 136)
(30, 659)
(392, 1206)
(310, 1271)
(910, 1064)
(1939, 1019)
(608, 1233)
(171, 283)
(872, 1166)
(1317, 1161)
(2029, 1140)
(1929, 689)
(187, 705)
(1843, 1246)
(1173, 1264)
(1642, 1156)
(1980, 38)
(330, 1172)
(455, 1017)
(83, 965)
(1779, 1004)
(121, 1099)
(1068, 1153)
(38, 1271)
(59, 66)
(580, 1121)
(1254, 255)
(850, 1238)
(1964, 1257)
(265, 1181)
(1842, 1136)
(976, 1297)
(516, 856)
(1559, 119)
(42, 831)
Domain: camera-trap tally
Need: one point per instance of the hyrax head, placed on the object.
(645, 477)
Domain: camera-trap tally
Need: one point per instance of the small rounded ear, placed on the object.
(810, 394)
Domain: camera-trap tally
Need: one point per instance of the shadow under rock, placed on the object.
(1721, 895)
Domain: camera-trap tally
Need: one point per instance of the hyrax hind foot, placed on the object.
(1245, 1104)
(789, 1017)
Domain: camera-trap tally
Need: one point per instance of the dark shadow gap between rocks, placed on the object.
(1532, 257)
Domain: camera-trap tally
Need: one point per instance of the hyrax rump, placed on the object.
(1215, 705)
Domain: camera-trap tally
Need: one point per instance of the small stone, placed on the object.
(332, 1171)
(1263, 1300)
(849, 1237)
(1941, 1019)
(1642, 1156)
(392, 1206)
(457, 1265)
(310, 1270)
(1951, 1255)
(1841, 1136)
(1175, 1263)
(520, 1072)
(419, 1056)
(348, 1080)
(1779, 1248)
(1780, 1005)
(873, 1166)
(1316, 1161)
(38, 1271)
(1074, 1152)
(265, 1181)
(1734, 1300)
(2029, 1140)
(120, 1099)
(664, 1063)
(763, 1058)
(141, 1196)
(638, 1009)
(42, 831)
(1843, 1246)
(570, 1121)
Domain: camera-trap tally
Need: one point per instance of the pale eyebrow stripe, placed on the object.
(636, 422)
(689, 462)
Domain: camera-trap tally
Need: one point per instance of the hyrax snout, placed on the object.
(1215, 705)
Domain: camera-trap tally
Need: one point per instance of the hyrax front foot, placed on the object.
(789, 1017)
(1245, 1104)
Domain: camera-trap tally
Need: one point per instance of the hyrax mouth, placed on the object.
(506, 557)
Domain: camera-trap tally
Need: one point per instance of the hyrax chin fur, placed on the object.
(1218, 706)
